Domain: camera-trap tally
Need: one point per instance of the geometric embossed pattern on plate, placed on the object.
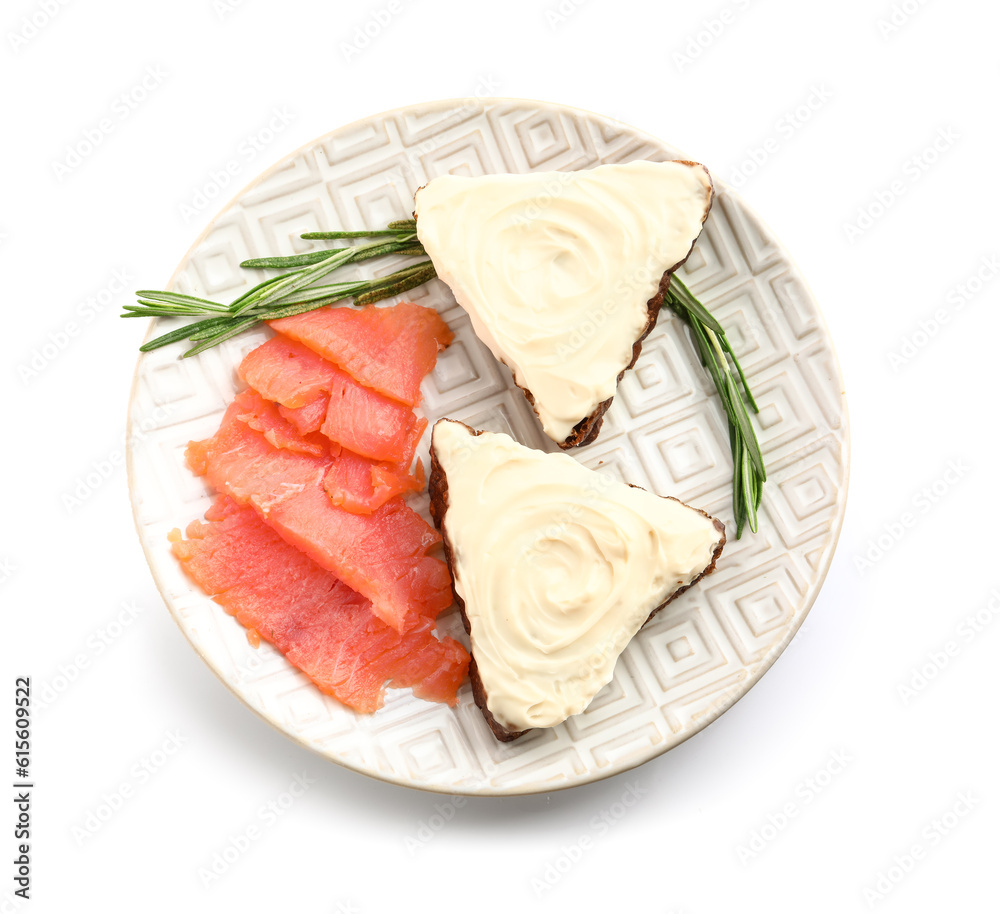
(665, 431)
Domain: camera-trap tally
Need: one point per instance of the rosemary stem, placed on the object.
(716, 353)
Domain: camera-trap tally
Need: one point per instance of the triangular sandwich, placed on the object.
(555, 567)
(563, 273)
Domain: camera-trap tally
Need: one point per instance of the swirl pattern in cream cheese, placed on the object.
(558, 566)
(556, 269)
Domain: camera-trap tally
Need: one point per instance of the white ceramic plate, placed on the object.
(666, 431)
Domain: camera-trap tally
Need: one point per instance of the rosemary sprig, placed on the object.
(400, 226)
(713, 348)
(293, 291)
(416, 278)
(365, 252)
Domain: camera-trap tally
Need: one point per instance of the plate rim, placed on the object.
(743, 687)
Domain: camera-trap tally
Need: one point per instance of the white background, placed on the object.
(723, 81)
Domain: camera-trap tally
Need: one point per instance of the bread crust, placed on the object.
(437, 488)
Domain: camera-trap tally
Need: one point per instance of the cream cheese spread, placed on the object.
(559, 566)
(555, 269)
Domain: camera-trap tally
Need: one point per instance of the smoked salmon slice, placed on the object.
(308, 418)
(286, 372)
(322, 626)
(264, 416)
(360, 485)
(387, 349)
(382, 555)
(354, 482)
(368, 424)
(241, 463)
(313, 394)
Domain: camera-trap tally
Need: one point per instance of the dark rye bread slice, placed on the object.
(438, 489)
(588, 428)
